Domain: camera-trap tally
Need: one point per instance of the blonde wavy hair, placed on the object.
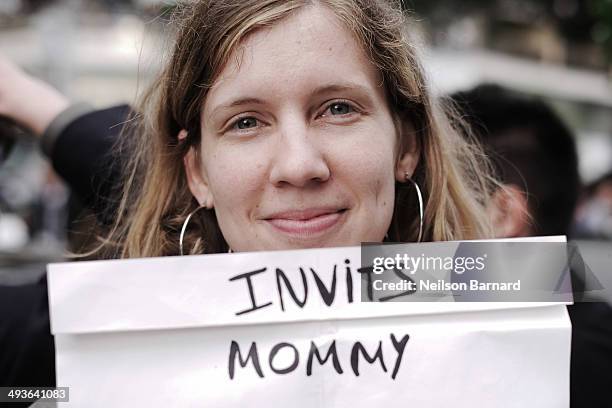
(453, 174)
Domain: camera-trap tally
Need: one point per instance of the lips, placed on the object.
(306, 223)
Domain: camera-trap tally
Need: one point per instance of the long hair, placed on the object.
(155, 200)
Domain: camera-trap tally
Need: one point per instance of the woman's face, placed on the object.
(298, 142)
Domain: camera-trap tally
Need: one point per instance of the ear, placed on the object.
(509, 212)
(409, 150)
(196, 180)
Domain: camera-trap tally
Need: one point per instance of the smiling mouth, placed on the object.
(306, 224)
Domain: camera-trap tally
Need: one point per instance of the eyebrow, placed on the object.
(238, 102)
(320, 90)
(349, 86)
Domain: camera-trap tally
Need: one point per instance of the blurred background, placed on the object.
(105, 51)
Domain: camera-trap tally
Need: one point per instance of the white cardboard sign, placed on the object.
(226, 331)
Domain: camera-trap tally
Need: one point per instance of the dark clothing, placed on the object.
(27, 351)
(81, 155)
(591, 361)
(24, 330)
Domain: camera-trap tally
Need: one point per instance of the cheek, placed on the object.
(235, 180)
(381, 184)
(371, 178)
(372, 171)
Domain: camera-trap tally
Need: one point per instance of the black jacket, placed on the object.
(81, 153)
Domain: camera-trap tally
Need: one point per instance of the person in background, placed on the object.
(77, 138)
(593, 218)
(534, 156)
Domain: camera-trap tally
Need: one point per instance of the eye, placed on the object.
(245, 123)
(340, 108)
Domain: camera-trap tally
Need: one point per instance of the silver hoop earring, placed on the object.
(184, 228)
(420, 197)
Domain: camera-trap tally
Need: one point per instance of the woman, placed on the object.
(294, 124)
(284, 124)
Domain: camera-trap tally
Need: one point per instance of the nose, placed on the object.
(299, 159)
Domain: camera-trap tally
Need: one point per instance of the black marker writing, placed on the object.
(235, 352)
(331, 352)
(248, 276)
(292, 366)
(359, 354)
(399, 347)
(280, 275)
(328, 296)
(358, 349)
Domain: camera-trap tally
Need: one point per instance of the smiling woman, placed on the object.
(294, 124)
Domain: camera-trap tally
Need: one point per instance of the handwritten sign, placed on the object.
(288, 328)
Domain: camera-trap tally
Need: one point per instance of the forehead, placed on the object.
(309, 48)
